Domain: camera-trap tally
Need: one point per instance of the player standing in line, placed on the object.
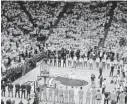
(103, 63)
(64, 61)
(81, 62)
(45, 94)
(75, 62)
(17, 89)
(59, 59)
(93, 95)
(50, 93)
(98, 97)
(55, 57)
(28, 88)
(3, 89)
(51, 61)
(97, 62)
(23, 90)
(108, 63)
(56, 94)
(111, 71)
(66, 95)
(71, 95)
(88, 95)
(122, 98)
(69, 62)
(81, 94)
(72, 53)
(85, 62)
(90, 64)
(60, 95)
(10, 89)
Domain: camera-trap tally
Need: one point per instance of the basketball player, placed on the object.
(56, 94)
(66, 95)
(64, 61)
(88, 95)
(59, 60)
(45, 94)
(74, 63)
(85, 61)
(61, 95)
(93, 95)
(50, 98)
(69, 62)
(71, 95)
(81, 94)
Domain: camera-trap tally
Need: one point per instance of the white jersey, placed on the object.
(113, 96)
(69, 59)
(101, 54)
(108, 61)
(121, 62)
(85, 59)
(97, 59)
(115, 61)
(103, 60)
(75, 58)
(90, 60)
(105, 56)
(81, 60)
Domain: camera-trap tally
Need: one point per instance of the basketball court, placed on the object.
(65, 76)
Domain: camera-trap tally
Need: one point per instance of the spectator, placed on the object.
(100, 72)
(101, 81)
(21, 102)
(2, 102)
(112, 71)
(98, 97)
(8, 101)
(126, 98)
(122, 98)
(106, 97)
(13, 102)
(113, 96)
(88, 96)
(94, 95)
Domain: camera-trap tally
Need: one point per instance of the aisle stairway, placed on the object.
(66, 6)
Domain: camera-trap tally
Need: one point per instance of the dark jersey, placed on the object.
(112, 68)
(54, 58)
(72, 53)
(106, 94)
(64, 59)
(23, 87)
(17, 86)
(59, 57)
(28, 88)
(3, 85)
(10, 86)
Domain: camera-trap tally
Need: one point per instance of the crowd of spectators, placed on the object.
(18, 33)
(81, 27)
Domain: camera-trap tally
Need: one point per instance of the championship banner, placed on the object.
(44, 69)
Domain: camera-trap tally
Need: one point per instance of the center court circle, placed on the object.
(71, 82)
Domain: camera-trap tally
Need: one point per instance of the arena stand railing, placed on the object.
(23, 68)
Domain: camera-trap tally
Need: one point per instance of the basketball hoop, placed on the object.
(44, 71)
